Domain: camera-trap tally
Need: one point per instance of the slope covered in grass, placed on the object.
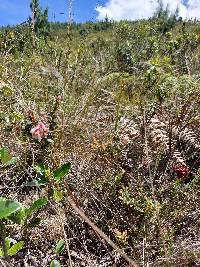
(121, 103)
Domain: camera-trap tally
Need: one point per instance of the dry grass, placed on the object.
(126, 143)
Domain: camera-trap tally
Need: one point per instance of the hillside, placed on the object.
(100, 144)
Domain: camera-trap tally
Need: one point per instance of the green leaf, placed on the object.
(35, 222)
(50, 141)
(7, 207)
(57, 195)
(4, 117)
(37, 183)
(5, 155)
(7, 240)
(18, 117)
(19, 216)
(38, 204)
(55, 263)
(6, 90)
(13, 161)
(1, 253)
(62, 171)
(60, 246)
(16, 248)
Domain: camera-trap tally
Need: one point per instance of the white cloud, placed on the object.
(193, 9)
(139, 9)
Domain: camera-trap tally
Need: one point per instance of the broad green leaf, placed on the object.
(7, 207)
(16, 248)
(60, 246)
(62, 171)
(5, 155)
(19, 216)
(38, 204)
(55, 263)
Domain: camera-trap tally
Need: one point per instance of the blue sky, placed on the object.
(16, 11)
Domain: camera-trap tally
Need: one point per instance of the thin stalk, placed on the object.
(100, 233)
(33, 23)
(147, 152)
(64, 234)
(70, 18)
(3, 237)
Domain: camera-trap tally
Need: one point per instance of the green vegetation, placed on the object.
(99, 142)
(39, 20)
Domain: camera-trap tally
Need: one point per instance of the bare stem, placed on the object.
(100, 233)
(65, 236)
(70, 18)
(3, 237)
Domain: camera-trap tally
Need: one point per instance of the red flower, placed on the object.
(181, 170)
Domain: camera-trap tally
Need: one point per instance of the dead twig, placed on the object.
(100, 233)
